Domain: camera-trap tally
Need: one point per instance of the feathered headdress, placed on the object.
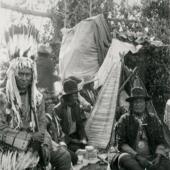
(22, 41)
(22, 44)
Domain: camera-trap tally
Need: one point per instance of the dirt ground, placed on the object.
(95, 167)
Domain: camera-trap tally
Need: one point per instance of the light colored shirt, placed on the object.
(167, 114)
(72, 124)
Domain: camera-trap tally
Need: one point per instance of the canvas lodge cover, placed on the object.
(83, 55)
(99, 125)
(84, 48)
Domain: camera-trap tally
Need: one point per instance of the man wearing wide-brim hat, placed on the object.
(70, 112)
(139, 137)
(70, 86)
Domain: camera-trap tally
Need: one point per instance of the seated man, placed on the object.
(71, 114)
(25, 110)
(140, 137)
(54, 129)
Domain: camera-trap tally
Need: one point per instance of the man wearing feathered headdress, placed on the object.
(23, 96)
(25, 109)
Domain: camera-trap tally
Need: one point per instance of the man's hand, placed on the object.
(156, 161)
(63, 144)
(38, 136)
(45, 154)
(143, 161)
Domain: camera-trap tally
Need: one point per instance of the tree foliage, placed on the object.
(158, 14)
(75, 11)
(150, 19)
(154, 69)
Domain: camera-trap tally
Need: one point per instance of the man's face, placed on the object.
(75, 97)
(139, 105)
(24, 78)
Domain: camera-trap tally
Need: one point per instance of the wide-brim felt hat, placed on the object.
(136, 93)
(70, 85)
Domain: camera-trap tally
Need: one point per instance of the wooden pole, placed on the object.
(65, 13)
(90, 12)
(27, 11)
(126, 81)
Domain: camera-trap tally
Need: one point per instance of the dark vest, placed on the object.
(127, 130)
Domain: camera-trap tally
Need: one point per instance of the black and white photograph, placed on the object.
(84, 85)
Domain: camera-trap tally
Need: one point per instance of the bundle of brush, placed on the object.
(22, 41)
(15, 160)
